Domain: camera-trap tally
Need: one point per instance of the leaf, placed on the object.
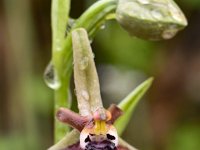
(128, 104)
(151, 19)
(126, 145)
(69, 139)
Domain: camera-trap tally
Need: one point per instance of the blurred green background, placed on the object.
(167, 119)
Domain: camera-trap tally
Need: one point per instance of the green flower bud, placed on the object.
(150, 19)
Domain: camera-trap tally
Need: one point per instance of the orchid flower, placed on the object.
(96, 127)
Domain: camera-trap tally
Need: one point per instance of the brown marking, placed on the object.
(115, 111)
(73, 119)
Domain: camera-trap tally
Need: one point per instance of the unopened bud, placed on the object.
(150, 19)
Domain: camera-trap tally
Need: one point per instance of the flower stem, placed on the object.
(62, 58)
(59, 19)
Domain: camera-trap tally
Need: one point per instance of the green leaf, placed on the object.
(126, 145)
(128, 104)
(69, 139)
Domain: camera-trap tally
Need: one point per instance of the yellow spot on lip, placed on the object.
(100, 127)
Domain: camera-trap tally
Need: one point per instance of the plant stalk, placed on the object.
(62, 58)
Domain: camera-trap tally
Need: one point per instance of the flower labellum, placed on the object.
(99, 134)
(96, 133)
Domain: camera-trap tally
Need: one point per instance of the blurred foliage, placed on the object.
(192, 4)
(186, 137)
(116, 47)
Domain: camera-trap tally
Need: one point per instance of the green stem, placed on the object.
(59, 20)
(62, 59)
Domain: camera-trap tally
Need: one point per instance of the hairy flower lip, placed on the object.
(76, 146)
(88, 124)
(103, 145)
